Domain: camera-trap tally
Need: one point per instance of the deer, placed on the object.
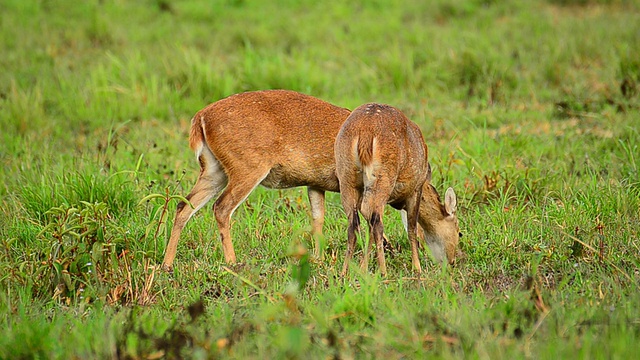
(381, 158)
(274, 138)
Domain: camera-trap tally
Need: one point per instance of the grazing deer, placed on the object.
(381, 158)
(276, 138)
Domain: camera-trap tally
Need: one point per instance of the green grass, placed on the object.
(531, 112)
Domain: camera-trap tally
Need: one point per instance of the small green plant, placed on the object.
(85, 257)
(76, 251)
(300, 271)
(158, 214)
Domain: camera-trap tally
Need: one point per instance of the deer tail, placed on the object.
(366, 154)
(196, 136)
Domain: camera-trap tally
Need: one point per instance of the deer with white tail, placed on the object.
(275, 138)
(381, 158)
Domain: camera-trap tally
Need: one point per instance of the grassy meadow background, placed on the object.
(531, 111)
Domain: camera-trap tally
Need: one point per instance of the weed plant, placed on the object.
(531, 111)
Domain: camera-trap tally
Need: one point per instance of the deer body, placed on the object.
(275, 138)
(381, 158)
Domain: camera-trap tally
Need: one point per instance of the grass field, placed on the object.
(531, 111)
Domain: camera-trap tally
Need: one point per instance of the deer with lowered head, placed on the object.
(381, 158)
(275, 138)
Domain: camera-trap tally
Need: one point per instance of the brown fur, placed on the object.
(389, 166)
(196, 136)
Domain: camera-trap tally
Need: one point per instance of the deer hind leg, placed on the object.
(368, 244)
(350, 200)
(241, 183)
(372, 208)
(211, 180)
(376, 237)
(316, 202)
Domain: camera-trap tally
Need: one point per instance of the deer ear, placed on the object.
(450, 201)
(428, 172)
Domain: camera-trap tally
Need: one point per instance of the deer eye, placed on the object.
(459, 234)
